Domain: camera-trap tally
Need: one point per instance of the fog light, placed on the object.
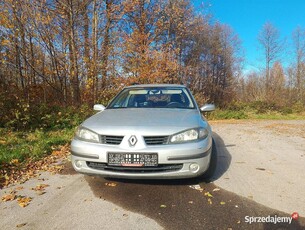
(78, 164)
(194, 168)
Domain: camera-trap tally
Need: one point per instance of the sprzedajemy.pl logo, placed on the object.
(271, 219)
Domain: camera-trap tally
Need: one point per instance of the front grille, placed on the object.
(111, 140)
(159, 168)
(156, 140)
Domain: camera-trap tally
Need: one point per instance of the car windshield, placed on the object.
(153, 97)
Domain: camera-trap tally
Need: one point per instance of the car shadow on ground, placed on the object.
(223, 163)
(224, 157)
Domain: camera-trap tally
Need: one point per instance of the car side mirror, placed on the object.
(99, 107)
(207, 108)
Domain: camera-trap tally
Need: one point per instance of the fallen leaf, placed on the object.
(14, 162)
(208, 194)
(222, 202)
(191, 202)
(2, 142)
(216, 189)
(196, 187)
(8, 197)
(19, 188)
(110, 184)
(24, 201)
(40, 187)
(210, 201)
(20, 225)
(162, 206)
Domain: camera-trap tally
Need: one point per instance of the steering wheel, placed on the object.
(174, 104)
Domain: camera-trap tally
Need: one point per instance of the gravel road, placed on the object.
(260, 173)
(264, 161)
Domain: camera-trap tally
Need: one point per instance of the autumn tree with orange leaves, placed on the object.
(71, 52)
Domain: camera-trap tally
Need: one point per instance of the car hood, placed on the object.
(144, 121)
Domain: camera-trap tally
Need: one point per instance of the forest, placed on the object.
(75, 52)
(60, 57)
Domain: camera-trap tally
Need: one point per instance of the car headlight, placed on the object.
(87, 135)
(190, 135)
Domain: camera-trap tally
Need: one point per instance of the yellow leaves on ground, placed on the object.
(14, 162)
(208, 194)
(2, 142)
(21, 225)
(40, 187)
(110, 184)
(15, 172)
(8, 197)
(24, 201)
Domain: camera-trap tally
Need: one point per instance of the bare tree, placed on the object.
(277, 84)
(271, 44)
(299, 52)
(66, 52)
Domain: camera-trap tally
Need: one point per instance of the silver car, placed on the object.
(147, 131)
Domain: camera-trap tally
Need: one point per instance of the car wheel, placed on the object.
(207, 175)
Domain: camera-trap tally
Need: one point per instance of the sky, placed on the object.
(247, 17)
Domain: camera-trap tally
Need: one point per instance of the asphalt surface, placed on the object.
(176, 205)
(75, 201)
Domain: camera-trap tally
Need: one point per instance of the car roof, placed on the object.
(155, 85)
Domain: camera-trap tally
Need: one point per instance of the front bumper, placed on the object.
(170, 156)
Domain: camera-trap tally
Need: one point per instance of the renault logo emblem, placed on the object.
(132, 140)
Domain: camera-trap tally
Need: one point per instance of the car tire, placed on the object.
(209, 173)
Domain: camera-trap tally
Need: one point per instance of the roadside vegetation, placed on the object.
(35, 134)
(259, 110)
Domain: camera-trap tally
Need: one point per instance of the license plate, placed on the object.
(133, 159)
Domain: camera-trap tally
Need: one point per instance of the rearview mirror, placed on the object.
(99, 107)
(207, 108)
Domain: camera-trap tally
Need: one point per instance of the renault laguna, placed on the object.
(147, 131)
